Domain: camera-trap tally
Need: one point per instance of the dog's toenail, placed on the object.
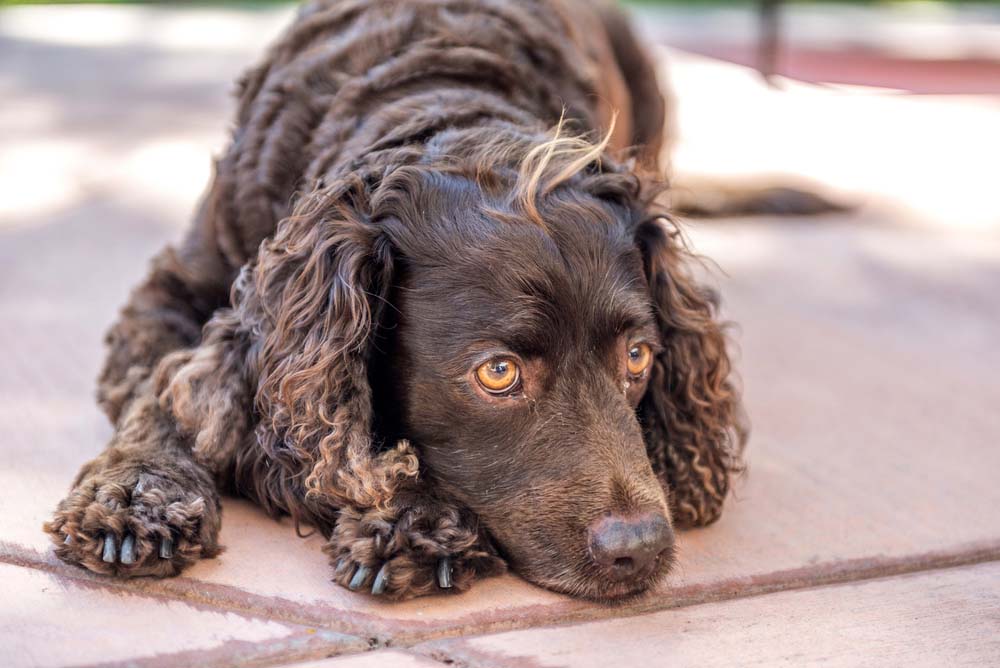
(68, 540)
(359, 578)
(381, 580)
(128, 550)
(109, 549)
(444, 573)
(167, 548)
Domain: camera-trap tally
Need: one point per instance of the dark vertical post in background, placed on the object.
(768, 38)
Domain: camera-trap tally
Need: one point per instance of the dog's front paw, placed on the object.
(418, 551)
(127, 521)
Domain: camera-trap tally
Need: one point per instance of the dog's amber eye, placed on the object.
(639, 357)
(498, 375)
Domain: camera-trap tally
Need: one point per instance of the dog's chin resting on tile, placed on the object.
(430, 307)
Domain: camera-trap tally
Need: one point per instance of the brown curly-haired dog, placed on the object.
(472, 342)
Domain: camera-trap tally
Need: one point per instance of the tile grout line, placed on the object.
(443, 647)
(452, 650)
(223, 598)
(295, 648)
(846, 572)
(383, 634)
(307, 640)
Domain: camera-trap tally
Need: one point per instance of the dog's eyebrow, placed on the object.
(627, 314)
(538, 317)
(525, 327)
(622, 308)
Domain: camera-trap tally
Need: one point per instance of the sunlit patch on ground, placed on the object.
(105, 26)
(930, 159)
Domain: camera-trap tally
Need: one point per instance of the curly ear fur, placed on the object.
(692, 414)
(315, 294)
(295, 347)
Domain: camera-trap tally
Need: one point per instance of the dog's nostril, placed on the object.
(630, 546)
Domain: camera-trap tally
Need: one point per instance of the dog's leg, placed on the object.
(163, 314)
(149, 505)
(417, 546)
(142, 507)
(167, 310)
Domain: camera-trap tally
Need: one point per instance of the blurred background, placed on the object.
(894, 102)
(864, 96)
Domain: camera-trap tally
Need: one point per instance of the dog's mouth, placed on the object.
(604, 591)
(591, 584)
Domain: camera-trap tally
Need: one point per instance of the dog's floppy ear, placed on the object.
(313, 303)
(691, 414)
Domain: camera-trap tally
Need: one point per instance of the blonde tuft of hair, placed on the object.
(553, 162)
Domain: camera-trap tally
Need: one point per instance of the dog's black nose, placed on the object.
(628, 547)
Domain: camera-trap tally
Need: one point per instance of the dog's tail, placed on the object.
(704, 196)
(653, 117)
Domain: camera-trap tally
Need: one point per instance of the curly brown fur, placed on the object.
(165, 313)
(409, 539)
(442, 223)
(692, 417)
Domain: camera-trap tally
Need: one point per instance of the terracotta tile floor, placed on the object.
(866, 530)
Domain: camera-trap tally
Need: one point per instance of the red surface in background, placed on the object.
(868, 68)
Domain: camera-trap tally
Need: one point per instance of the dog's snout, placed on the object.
(628, 547)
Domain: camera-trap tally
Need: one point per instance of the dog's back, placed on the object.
(352, 78)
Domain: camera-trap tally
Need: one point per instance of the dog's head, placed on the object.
(532, 330)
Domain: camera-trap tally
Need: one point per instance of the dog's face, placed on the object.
(532, 331)
(514, 359)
